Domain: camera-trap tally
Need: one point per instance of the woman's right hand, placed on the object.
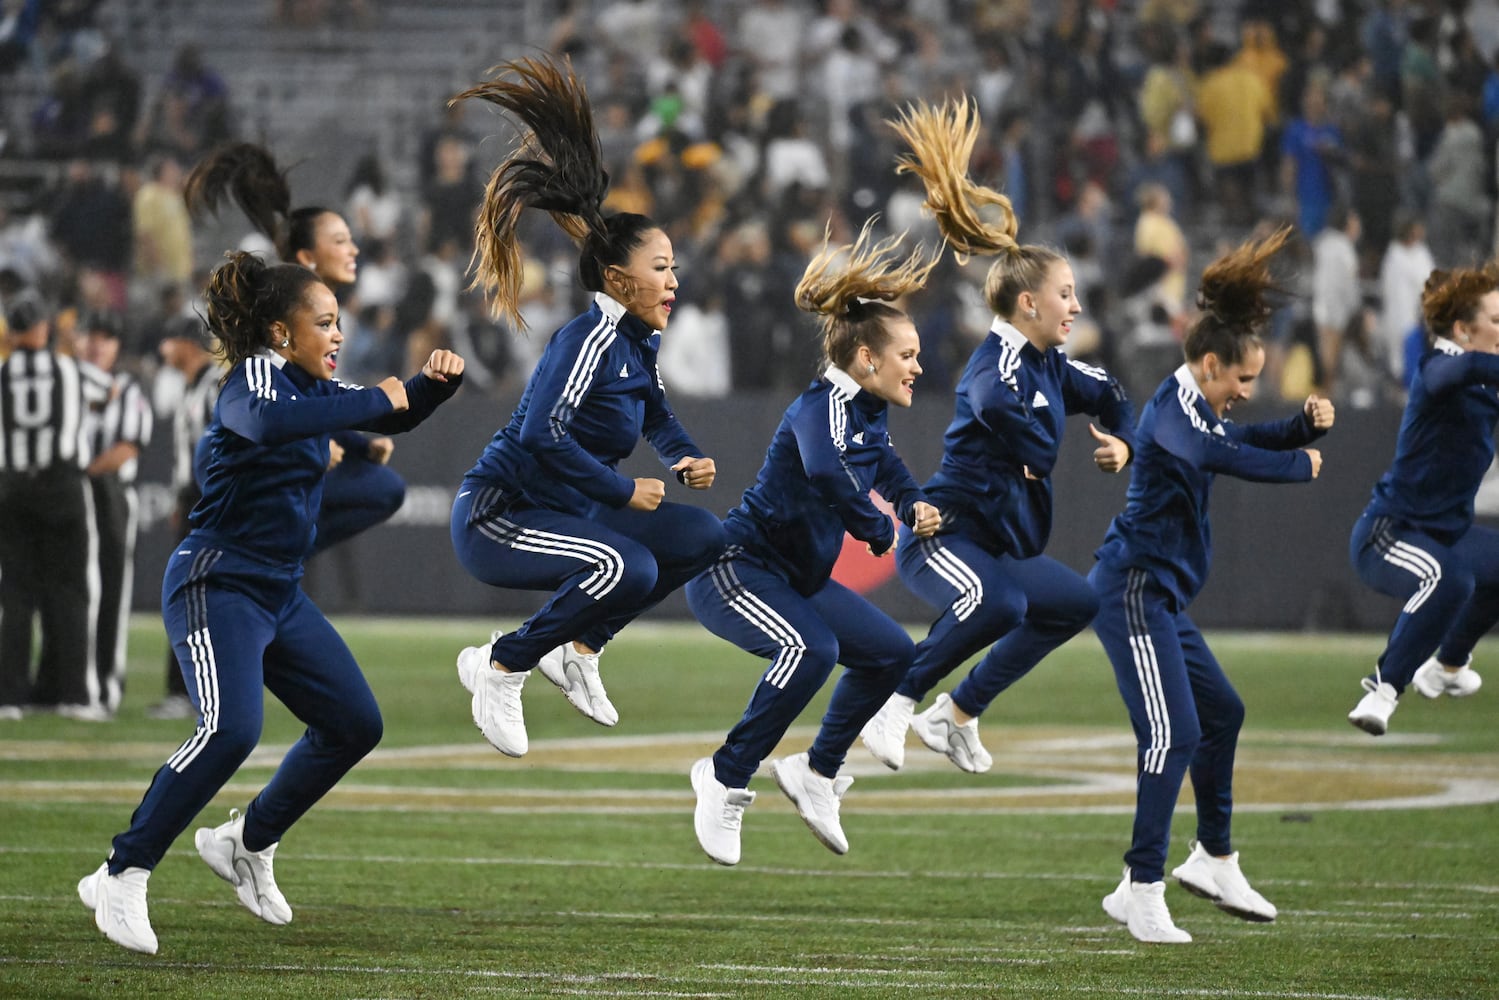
(1316, 457)
(395, 391)
(648, 494)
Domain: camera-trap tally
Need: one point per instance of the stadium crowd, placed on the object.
(1140, 138)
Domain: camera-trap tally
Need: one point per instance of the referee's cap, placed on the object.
(24, 310)
(189, 327)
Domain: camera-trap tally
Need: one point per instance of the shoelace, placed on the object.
(733, 813)
(1152, 907)
(510, 698)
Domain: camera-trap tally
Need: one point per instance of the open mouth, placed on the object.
(331, 360)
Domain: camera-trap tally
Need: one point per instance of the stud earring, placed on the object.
(286, 343)
(1032, 314)
(870, 369)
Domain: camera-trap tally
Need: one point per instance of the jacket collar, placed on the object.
(1186, 380)
(1010, 336)
(630, 325)
(1447, 346)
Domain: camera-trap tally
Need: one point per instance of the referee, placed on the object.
(47, 539)
(118, 431)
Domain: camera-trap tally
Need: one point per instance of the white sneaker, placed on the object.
(1372, 713)
(1220, 880)
(497, 710)
(173, 706)
(476, 658)
(250, 872)
(719, 813)
(816, 798)
(577, 674)
(85, 713)
(939, 730)
(1434, 680)
(885, 734)
(1141, 906)
(119, 905)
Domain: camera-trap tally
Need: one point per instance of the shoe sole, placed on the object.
(1216, 898)
(892, 762)
(701, 768)
(785, 782)
(1372, 726)
(945, 749)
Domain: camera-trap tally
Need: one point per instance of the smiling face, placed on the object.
(646, 283)
(1054, 303)
(1482, 331)
(895, 366)
(1224, 385)
(312, 328)
(333, 252)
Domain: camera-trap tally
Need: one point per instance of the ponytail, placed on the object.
(840, 283)
(557, 166)
(1452, 297)
(941, 141)
(1233, 300)
(248, 175)
(245, 295)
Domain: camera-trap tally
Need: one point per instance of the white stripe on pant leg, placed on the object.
(206, 674)
(959, 574)
(611, 565)
(1416, 561)
(1148, 671)
(1421, 563)
(765, 618)
(93, 586)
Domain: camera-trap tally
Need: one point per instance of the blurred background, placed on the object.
(1141, 138)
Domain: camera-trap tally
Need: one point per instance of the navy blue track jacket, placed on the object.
(262, 460)
(1446, 443)
(1012, 404)
(831, 448)
(1164, 526)
(594, 392)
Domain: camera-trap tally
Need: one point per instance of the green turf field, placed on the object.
(441, 869)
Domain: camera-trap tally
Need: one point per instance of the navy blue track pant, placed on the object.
(1031, 606)
(238, 624)
(803, 637)
(357, 495)
(604, 570)
(1451, 592)
(1185, 713)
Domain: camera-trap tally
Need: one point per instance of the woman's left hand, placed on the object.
(1319, 412)
(1112, 454)
(379, 449)
(925, 519)
(443, 365)
(695, 473)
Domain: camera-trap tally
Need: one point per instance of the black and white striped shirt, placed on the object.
(125, 417)
(43, 402)
(194, 412)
